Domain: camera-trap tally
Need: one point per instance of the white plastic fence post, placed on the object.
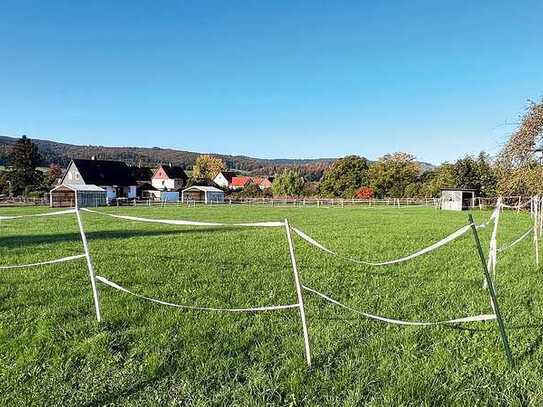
(299, 294)
(92, 275)
(537, 215)
(492, 251)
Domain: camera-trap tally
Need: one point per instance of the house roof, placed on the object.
(174, 172)
(142, 173)
(102, 172)
(262, 181)
(80, 187)
(241, 181)
(203, 189)
(228, 175)
(145, 186)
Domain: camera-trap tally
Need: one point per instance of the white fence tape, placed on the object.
(187, 222)
(524, 205)
(484, 317)
(428, 249)
(192, 307)
(63, 259)
(38, 214)
(520, 239)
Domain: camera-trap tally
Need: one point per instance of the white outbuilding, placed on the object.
(457, 199)
(202, 194)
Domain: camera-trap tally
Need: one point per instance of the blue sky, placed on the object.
(274, 78)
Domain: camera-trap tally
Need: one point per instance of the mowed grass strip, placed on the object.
(52, 351)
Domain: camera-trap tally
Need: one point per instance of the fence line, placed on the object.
(536, 210)
(483, 317)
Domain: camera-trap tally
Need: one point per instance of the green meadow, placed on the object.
(54, 352)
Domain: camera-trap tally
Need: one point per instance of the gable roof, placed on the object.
(141, 173)
(241, 181)
(203, 189)
(79, 187)
(262, 181)
(173, 172)
(102, 172)
(228, 175)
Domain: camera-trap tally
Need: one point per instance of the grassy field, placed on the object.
(53, 352)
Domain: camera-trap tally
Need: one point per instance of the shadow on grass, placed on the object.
(39, 239)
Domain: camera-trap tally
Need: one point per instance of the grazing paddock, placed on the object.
(53, 351)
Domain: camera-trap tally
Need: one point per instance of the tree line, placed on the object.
(516, 170)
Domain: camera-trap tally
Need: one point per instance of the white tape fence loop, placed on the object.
(455, 235)
(35, 215)
(520, 239)
(476, 318)
(193, 307)
(43, 263)
(186, 222)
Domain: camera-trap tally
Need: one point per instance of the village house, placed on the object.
(242, 181)
(115, 177)
(143, 177)
(169, 178)
(224, 179)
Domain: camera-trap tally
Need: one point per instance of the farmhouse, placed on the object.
(77, 195)
(115, 177)
(240, 182)
(243, 181)
(202, 194)
(457, 199)
(169, 178)
(263, 182)
(224, 179)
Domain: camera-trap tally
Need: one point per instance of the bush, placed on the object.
(35, 194)
(365, 193)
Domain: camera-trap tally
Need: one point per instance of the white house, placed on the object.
(169, 178)
(224, 179)
(115, 177)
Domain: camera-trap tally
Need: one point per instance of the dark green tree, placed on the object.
(391, 174)
(344, 177)
(288, 183)
(24, 158)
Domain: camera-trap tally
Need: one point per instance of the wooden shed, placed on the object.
(78, 195)
(457, 199)
(202, 194)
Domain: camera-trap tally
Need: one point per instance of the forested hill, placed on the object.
(53, 152)
(61, 153)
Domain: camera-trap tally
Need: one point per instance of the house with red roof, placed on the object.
(240, 182)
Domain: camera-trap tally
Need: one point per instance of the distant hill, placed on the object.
(61, 153)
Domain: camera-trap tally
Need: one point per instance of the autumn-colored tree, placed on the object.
(365, 193)
(207, 166)
(520, 161)
(54, 172)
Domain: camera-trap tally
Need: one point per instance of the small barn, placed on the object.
(202, 194)
(77, 195)
(457, 199)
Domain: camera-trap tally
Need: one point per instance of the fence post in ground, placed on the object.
(92, 274)
(536, 216)
(492, 291)
(299, 294)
